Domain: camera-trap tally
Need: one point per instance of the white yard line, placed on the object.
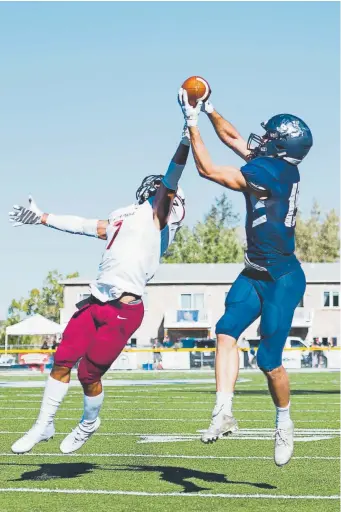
(166, 494)
(158, 456)
(179, 420)
(246, 431)
(188, 409)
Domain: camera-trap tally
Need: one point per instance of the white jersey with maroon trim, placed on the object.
(133, 249)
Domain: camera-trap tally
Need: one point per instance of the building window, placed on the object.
(326, 299)
(335, 299)
(192, 301)
(198, 301)
(331, 299)
(186, 301)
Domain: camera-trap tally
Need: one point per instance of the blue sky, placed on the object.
(88, 108)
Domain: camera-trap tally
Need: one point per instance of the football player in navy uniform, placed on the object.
(272, 283)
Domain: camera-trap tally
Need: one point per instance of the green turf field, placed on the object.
(147, 454)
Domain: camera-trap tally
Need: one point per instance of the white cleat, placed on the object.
(78, 437)
(284, 444)
(34, 436)
(221, 425)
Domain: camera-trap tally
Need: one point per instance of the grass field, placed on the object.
(147, 454)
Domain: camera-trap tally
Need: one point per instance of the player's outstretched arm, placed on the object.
(165, 194)
(226, 131)
(68, 223)
(228, 176)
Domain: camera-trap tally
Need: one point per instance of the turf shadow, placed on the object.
(181, 476)
(172, 474)
(55, 471)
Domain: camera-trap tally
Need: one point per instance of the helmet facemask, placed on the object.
(267, 145)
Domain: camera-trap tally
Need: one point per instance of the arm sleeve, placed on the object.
(73, 224)
(257, 176)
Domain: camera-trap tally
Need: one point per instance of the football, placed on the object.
(197, 89)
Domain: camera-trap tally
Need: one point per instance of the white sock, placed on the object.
(224, 400)
(283, 415)
(92, 406)
(54, 394)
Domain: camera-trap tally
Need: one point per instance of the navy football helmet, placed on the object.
(148, 187)
(286, 136)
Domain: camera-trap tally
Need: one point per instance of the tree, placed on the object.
(317, 239)
(46, 301)
(213, 241)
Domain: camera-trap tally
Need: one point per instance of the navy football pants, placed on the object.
(254, 294)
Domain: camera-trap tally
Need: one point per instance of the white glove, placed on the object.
(185, 137)
(207, 107)
(190, 113)
(22, 215)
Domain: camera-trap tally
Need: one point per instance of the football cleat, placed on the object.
(284, 444)
(78, 437)
(221, 425)
(38, 433)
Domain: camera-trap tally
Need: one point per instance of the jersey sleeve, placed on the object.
(257, 176)
(167, 236)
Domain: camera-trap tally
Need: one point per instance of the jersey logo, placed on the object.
(121, 317)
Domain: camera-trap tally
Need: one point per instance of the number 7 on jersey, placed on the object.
(117, 225)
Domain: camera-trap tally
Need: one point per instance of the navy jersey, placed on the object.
(270, 223)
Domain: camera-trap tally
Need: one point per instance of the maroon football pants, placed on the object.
(97, 334)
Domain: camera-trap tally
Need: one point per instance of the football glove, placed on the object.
(207, 107)
(190, 113)
(22, 215)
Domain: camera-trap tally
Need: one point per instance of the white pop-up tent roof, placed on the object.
(33, 325)
(36, 324)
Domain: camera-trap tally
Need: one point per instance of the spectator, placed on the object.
(177, 344)
(157, 355)
(45, 345)
(167, 342)
(317, 354)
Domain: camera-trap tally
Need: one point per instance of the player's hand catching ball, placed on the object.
(207, 107)
(190, 113)
(22, 215)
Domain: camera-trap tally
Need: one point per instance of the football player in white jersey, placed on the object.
(136, 237)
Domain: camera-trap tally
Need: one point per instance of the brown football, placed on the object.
(197, 89)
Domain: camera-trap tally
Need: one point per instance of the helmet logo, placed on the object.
(291, 129)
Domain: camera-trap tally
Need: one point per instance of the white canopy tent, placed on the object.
(33, 325)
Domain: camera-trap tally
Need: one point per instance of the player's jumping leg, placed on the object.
(280, 300)
(77, 335)
(242, 308)
(117, 323)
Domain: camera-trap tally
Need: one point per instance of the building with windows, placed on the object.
(186, 300)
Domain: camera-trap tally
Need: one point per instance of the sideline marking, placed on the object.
(181, 494)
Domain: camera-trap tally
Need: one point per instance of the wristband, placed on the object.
(172, 176)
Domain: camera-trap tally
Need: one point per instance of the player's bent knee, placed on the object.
(227, 326)
(226, 341)
(268, 360)
(92, 389)
(89, 372)
(60, 370)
